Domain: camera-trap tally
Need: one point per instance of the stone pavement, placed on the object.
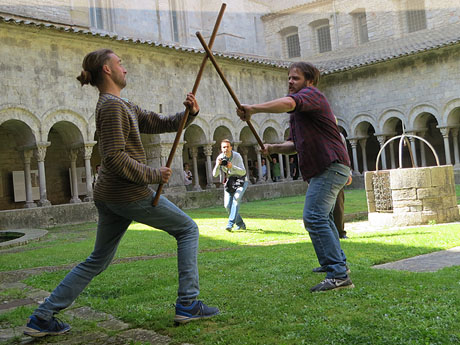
(115, 332)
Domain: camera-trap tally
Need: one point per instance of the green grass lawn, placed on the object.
(260, 279)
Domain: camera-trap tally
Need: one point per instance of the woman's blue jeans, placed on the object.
(318, 218)
(232, 204)
(114, 219)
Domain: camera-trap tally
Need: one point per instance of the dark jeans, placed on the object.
(318, 220)
(114, 219)
(339, 212)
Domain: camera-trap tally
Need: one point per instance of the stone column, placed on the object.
(362, 143)
(392, 154)
(422, 150)
(354, 145)
(381, 139)
(28, 154)
(244, 153)
(413, 148)
(280, 158)
(40, 155)
(455, 142)
(87, 153)
(208, 153)
(196, 178)
(259, 164)
(73, 172)
(288, 169)
(269, 173)
(445, 135)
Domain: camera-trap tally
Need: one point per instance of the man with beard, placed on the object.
(122, 195)
(323, 162)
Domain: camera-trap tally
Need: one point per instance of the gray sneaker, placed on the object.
(333, 284)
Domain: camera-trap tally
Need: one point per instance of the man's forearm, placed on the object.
(280, 105)
(287, 148)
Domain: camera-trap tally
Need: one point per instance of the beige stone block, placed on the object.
(427, 193)
(409, 218)
(439, 176)
(404, 194)
(370, 195)
(428, 216)
(432, 204)
(371, 206)
(368, 184)
(416, 208)
(406, 203)
(410, 178)
(399, 210)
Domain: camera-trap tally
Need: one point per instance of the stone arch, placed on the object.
(221, 121)
(10, 112)
(342, 123)
(270, 135)
(53, 117)
(413, 117)
(451, 113)
(271, 123)
(195, 135)
(389, 119)
(355, 122)
(287, 132)
(246, 136)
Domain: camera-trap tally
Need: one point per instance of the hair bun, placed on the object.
(84, 77)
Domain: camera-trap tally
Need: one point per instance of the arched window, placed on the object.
(415, 15)
(291, 43)
(360, 24)
(100, 14)
(323, 34)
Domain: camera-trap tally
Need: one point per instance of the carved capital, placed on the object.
(207, 149)
(444, 131)
(40, 151)
(194, 151)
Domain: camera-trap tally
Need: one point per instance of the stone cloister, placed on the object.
(47, 127)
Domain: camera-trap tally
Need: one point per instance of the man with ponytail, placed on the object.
(122, 195)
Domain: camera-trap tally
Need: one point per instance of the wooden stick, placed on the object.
(195, 88)
(229, 88)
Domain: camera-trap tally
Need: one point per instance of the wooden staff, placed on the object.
(229, 88)
(195, 88)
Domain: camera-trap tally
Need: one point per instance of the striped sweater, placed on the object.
(125, 175)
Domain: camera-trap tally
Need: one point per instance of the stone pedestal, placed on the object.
(413, 196)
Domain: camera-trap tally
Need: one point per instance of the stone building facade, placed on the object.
(402, 76)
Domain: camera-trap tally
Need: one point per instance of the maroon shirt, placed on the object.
(315, 133)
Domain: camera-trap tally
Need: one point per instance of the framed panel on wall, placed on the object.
(19, 185)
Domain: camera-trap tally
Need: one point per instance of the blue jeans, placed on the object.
(318, 218)
(114, 219)
(232, 204)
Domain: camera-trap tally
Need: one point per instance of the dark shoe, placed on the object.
(333, 284)
(37, 327)
(344, 237)
(229, 228)
(195, 311)
(241, 227)
(322, 269)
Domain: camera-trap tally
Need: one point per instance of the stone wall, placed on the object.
(418, 196)
(45, 217)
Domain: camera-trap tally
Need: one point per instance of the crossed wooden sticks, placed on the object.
(195, 88)
(207, 48)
